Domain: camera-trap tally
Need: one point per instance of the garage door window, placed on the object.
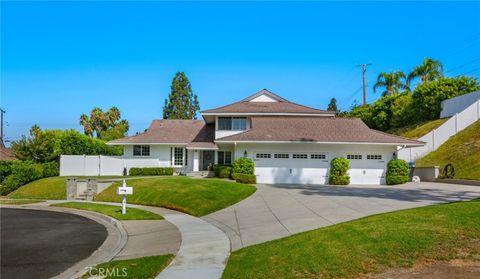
(300, 156)
(318, 156)
(374, 157)
(281, 156)
(354, 157)
(263, 156)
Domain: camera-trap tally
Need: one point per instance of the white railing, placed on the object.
(438, 136)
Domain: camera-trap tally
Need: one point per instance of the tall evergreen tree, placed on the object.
(332, 106)
(182, 103)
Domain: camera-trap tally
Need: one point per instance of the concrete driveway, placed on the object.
(276, 211)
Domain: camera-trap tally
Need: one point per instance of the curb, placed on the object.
(113, 244)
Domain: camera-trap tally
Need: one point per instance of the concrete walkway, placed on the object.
(203, 252)
(278, 211)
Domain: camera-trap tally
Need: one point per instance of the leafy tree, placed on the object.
(403, 111)
(430, 70)
(182, 103)
(39, 147)
(47, 145)
(104, 125)
(428, 96)
(332, 106)
(362, 112)
(391, 82)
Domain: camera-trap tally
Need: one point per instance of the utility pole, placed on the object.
(364, 70)
(2, 142)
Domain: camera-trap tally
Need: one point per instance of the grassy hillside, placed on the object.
(462, 150)
(418, 130)
(51, 188)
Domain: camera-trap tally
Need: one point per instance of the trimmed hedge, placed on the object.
(23, 172)
(222, 171)
(338, 172)
(245, 178)
(151, 171)
(244, 166)
(398, 172)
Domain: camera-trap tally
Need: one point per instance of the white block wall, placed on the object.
(455, 105)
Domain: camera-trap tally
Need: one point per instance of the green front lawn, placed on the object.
(112, 211)
(18, 202)
(462, 150)
(51, 188)
(369, 245)
(141, 268)
(197, 197)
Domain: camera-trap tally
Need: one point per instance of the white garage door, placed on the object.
(291, 168)
(367, 169)
(312, 168)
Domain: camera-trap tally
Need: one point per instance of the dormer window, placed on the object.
(232, 123)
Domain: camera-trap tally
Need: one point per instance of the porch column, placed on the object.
(196, 165)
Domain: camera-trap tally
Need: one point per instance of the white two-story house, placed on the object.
(289, 143)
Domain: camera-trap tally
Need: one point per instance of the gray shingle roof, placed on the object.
(188, 132)
(314, 129)
(281, 106)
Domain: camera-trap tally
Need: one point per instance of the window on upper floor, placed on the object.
(232, 123)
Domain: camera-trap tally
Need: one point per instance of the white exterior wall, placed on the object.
(455, 105)
(315, 171)
(439, 136)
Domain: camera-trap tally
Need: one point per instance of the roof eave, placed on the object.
(323, 142)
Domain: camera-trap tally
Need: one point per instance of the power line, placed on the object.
(471, 71)
(463, 65)
(342, 103)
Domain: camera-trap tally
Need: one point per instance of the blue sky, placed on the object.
(61, 59)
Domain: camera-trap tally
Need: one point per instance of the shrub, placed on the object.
(222, 171)
(338, 172)
(427, 97)
(398, 172)
(245, 178)
(5, 169)
(244, 166)
(50, 169)
(23, 172)
(11, 183)
(151, 171)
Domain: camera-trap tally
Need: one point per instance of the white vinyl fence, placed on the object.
(438, 136)
(97, 165)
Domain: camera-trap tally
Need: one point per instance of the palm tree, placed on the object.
(392, 82)
(428, 71)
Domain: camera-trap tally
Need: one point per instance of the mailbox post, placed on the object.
(124, 191)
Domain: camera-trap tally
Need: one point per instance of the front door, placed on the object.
(208, 159)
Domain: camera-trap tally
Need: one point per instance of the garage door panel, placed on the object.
(275, 175)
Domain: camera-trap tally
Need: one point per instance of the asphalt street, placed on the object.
(42, 244)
